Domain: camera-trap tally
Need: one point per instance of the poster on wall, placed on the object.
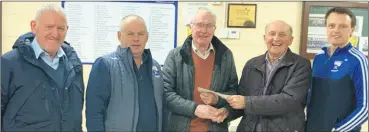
(94, 26)
(314, 31)
(363, 45)
(317, 36)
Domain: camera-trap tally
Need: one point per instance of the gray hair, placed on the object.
(125, 19)
(207, 10)
(49, 7)
(280, 21)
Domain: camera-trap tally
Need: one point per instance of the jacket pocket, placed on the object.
(178, 123)
(36, 109)
(278, 124)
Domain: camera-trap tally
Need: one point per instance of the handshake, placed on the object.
(211, 98)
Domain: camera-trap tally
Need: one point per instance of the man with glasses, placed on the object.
(202, 61)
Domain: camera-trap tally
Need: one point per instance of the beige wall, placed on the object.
(17, 16)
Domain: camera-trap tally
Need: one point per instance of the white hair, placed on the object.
(49, 7)
(204, 9)
(125, 19)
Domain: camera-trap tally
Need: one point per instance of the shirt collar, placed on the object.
(38, 50)
(278, 60)
(211, 48)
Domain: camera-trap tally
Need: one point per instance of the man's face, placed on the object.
(134, 35)
(277, 38)
(339, 29)
(203, 28)
(50, 30)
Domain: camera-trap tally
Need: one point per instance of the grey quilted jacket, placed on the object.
(178, 77)
(280, 105)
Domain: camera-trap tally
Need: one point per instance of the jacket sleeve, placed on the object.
(360, 114)
(292, 96)
(232, 82)
(97, 96)
(6, 84)
(165, 124)
(176, 103)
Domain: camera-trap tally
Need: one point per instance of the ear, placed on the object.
(291, 40)
(352, 31)
(189, 26)
(147, 36)
(33, 26)
(118, 35)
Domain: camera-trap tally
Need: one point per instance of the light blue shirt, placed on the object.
(39, 52)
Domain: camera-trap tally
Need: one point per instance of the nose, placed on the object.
(136, 38)
(54, 32)
(336, 29)
(203, 29)
(276, 37)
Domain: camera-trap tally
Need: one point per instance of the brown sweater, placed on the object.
(203, 75)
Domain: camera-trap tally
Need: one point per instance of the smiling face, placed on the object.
(50, 29)
(277, 38)
(133, 35)
(339, 29)
(203, 28)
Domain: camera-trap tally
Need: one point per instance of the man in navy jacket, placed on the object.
(41, 78)
(125, 89)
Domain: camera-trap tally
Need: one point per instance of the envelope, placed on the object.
(203, 90)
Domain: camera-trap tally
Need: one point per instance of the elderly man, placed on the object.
(125, 88)
(202, 61)
(41, 78)
(273, 86)
(339, 92)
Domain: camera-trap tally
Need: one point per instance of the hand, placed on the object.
(237, 101)
(222, 114)
(209, 98)
(206, 112)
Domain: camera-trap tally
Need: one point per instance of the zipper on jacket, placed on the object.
(46, 100)
(135, 101)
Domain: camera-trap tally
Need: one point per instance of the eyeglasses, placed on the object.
(202, 25)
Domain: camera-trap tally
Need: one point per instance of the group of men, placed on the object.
(42, 88)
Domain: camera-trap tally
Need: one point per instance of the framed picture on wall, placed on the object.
(313, 35)
(241, 16)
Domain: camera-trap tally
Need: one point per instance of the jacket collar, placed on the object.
(39, 51)
(219, 47)
(338, 50)
(23, 44)
(126, 54)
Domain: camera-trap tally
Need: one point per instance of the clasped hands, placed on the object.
(206, 111)
(214, 114)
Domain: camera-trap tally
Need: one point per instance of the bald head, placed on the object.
(280, 23)
(129, 19)
(133, 33)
